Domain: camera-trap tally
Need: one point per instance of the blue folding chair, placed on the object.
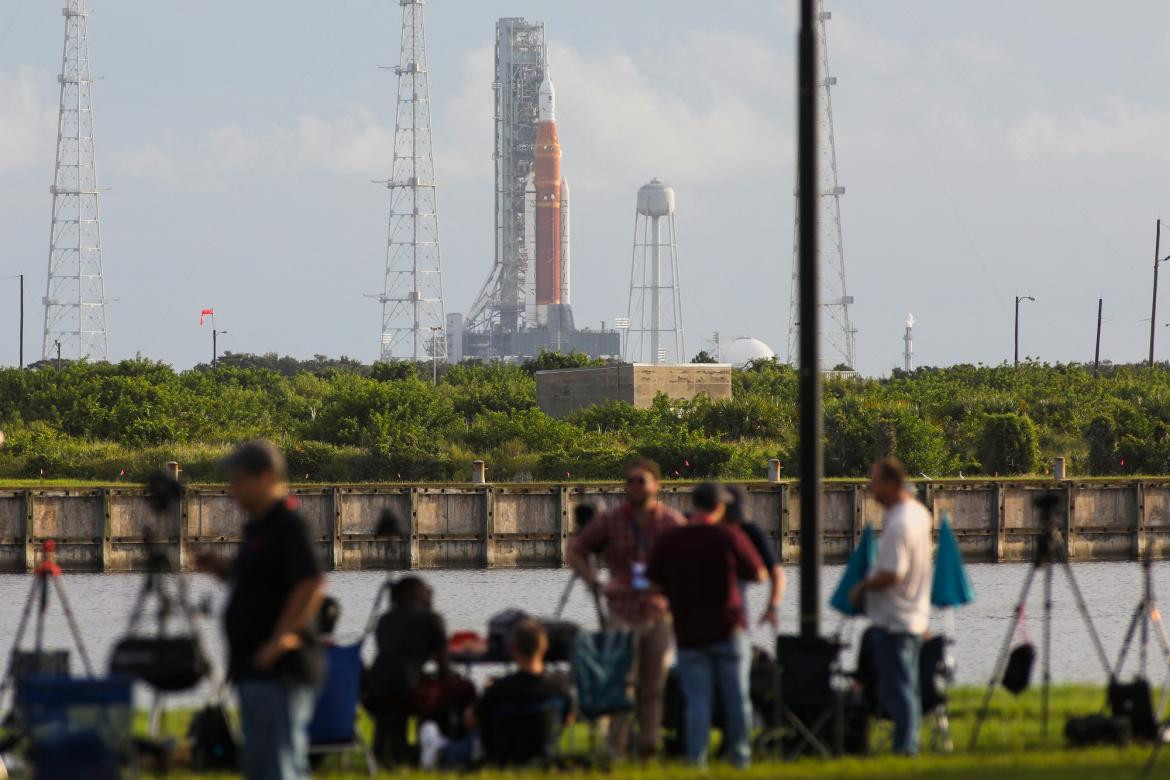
(333, 729)
(76, 727)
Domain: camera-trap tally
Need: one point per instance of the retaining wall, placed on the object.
(460, 526)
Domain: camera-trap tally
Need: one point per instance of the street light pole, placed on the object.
(1018, 299)
(1097, 351)
(215, 334)
(57, 342)
(435, 354)
(1158, 260)
(22, 320)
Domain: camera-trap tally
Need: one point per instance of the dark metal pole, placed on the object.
(810, 381)
(22, 320)
(1097, 351)
(1154, 304)
(58, 343)
(214, 347)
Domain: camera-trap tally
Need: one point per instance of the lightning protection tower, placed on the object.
(75, 296)
(837, 334)
(413, 317)
(655, 305)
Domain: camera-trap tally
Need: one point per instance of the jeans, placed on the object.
(700, 671)
(896, 657)
(275, 718)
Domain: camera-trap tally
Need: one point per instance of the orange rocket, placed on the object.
(547, 182)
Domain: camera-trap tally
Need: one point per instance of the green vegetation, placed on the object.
(1011, 748)
(343, 421)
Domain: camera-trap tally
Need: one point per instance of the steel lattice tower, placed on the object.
(520, 61)
(413, 318)
(837, 332)
(75, 297)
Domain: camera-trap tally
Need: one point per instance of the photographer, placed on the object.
(274, 657)
(897, 599)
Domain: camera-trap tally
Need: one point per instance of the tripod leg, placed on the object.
(73, 627)
(1084, 610)
(1047, 684)
(565, 595)
(1001, 661)
(42, 608)
(20, 629)
(1129, 632)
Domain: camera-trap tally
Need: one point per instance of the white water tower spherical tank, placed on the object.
(744, 350)
(656, 199)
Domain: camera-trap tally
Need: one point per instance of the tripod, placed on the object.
(1146, 614)
(1047, 554)
(47, 572)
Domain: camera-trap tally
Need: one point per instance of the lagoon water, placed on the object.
(467, 598)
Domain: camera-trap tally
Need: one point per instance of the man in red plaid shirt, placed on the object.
(625, 536)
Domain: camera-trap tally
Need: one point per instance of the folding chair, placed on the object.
(812, 706)
(333, 729)
(601, 669)
(76, 727)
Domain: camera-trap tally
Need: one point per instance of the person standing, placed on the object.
(897, 599)
(275, 659)
(700, 568)
(625, 536)
(736, 515)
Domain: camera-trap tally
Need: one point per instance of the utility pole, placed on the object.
(215, 334)
(1158, 260)
(436, 331)
(1018, 299)
(1097, 351)
(57, 342)
(811, 421)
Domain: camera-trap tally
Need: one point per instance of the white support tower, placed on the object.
(413, 317)
(837, 332)
(908, 353)
(75, 294)
(655, 307)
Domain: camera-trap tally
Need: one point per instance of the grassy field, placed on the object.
(1011, 746)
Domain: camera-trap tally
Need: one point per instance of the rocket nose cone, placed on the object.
(547, 99)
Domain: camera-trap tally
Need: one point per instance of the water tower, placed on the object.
(655, 306)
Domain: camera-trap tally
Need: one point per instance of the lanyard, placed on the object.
(641, 544)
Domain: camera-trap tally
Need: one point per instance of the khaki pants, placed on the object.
(653, 646)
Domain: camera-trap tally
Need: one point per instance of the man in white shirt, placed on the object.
(897, 599)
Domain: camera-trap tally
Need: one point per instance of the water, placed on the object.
(467, 598)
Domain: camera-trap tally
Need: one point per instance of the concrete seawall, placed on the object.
(462, 526)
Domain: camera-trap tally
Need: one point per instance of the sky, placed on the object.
(993, 149)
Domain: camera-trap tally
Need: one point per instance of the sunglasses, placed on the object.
(635, 480)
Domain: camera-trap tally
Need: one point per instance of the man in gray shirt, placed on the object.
(897, 599)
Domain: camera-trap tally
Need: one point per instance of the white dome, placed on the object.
(744, 350)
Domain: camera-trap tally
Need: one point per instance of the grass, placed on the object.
(1011, 747)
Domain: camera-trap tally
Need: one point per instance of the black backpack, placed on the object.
(213, 743)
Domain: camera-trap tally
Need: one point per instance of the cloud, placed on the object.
(148, 162)
(28, 121)
(1117, 130)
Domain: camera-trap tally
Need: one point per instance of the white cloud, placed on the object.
(28, 120)
(1117, 130)
(148, 162)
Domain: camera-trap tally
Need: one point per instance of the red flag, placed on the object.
(121, 473)
(206, 313)
(686, 463)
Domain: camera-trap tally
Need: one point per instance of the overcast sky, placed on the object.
(988, 149)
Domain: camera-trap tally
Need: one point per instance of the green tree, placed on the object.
(1008, 444)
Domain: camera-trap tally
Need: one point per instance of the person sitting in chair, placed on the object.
(520, 716)
(408, 637)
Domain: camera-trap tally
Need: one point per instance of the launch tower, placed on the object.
(75, 294)
(413, 318)
(837, 332)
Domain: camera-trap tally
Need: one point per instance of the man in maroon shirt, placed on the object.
(626, 536)
(699, 568)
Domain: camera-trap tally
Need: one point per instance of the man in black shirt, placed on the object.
(274, 657)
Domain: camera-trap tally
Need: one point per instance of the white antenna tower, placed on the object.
(908, 354)
(837, 330)
(413, 318)
(75, 294)
(655, 307)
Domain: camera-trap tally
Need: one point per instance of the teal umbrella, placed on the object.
(951, 587)
(860, 562)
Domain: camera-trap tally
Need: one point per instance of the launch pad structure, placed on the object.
(523, 307)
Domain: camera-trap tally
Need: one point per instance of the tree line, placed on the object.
(345, 421)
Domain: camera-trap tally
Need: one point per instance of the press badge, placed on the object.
(638, 576)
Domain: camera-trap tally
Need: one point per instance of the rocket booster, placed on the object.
(548, 199)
